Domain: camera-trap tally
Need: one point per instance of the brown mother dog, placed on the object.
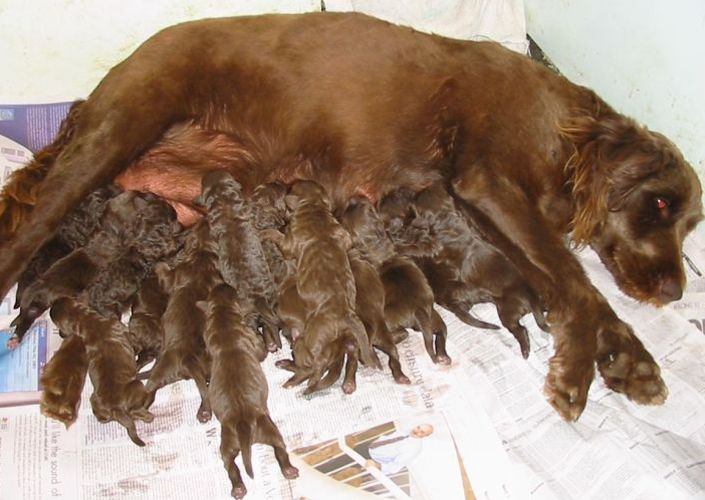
(365, 107)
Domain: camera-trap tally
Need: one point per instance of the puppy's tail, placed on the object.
(19, 194)
(354, 328)
(124, 419)
(244, 436)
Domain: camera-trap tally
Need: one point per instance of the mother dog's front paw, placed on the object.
(627, 367)
(567, 385)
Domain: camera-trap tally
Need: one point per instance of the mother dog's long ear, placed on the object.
(611, 156)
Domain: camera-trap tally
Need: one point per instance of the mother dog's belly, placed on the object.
(174, 166)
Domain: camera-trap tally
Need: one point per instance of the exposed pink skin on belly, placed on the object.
(178, 187)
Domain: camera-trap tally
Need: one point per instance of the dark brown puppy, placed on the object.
(117, 394)
(270, 213)
(553, 159)
(184, 356)
(468, 270)
(72, 274)
(325, 284)
(408, 298)
(370, 306)
(238, 390)
(75, 231)
(62, 381)
(146, 333)
(152, 236)
(241, 258)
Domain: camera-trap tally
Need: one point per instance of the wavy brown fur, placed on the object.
(19, 194)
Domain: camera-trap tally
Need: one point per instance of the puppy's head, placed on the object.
(636, 199)
(220, 185)
(397, 209)
(306, 192)
(270, 207)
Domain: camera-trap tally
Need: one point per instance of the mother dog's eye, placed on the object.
(661, 203)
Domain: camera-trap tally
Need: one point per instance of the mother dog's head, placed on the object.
(636, 199)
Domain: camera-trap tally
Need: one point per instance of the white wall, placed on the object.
(646, 58)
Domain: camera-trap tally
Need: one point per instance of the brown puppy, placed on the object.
(326, 286)
(554, 159)
(468, 270)
(75, 231)
(62, 381)
(152, 236)
(184, 356)
(238, 389)
(370, 306)
(72, 274)
(241, 258)
(146, 333)
(117, 394)
(270, 213)
(408, 298)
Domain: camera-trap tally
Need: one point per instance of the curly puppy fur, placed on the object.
(72, 274)
(241, 258)
(62, 381)
(238, 389)
(75, 231)
(325, 284)
(184, 355)
(270, 213)
(117, 394)
(408, 298)
(469, 270)
(154, 235)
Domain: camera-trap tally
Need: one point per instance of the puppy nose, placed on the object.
(670, 290)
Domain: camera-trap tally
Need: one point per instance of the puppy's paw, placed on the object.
(627, 367)
(238, 491)
(204, 413)
(349, 387)
(290, 472)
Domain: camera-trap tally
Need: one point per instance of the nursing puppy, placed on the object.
(407, 294)
(241, 258)
(370, 305)
(270, 213)
(75, 231)
(468, 270)
(145, 330)
(153, 236)
(117, 394)
(238, 389)
(62, 381)
(184, 356)
(72, 274)
(325, 284)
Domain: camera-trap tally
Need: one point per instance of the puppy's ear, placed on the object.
(164, 275)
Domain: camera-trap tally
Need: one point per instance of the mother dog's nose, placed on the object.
(670, 290)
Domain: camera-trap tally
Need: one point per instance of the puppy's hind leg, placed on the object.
(440, 331)
(229, 450)
(268, 433)
(194, 367)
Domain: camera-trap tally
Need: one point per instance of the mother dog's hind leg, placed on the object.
(117, 123)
